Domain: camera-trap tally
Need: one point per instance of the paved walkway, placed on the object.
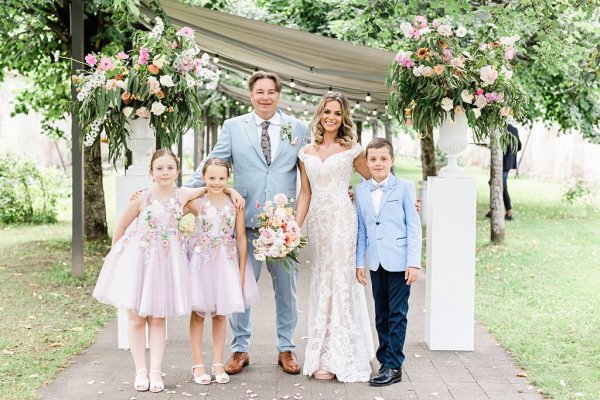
(104, 372)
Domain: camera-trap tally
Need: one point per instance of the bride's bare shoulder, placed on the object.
(310, 148)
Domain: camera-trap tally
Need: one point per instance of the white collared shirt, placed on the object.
(376, 195)
(274, 131)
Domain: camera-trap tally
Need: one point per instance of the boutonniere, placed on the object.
(286, 133)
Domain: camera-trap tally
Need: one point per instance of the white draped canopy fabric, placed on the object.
(316, 63)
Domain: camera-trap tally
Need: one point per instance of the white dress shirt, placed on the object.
(376, 195)
(274, 131)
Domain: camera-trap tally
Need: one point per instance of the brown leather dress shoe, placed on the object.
(237, 361)
(289, 362)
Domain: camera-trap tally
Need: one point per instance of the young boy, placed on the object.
(389, 237)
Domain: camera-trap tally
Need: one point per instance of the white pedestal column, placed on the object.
(450, 287)
(125, 186)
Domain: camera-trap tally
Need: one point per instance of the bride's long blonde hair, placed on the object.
(346, 135)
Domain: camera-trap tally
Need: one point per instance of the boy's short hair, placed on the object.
(378, 143)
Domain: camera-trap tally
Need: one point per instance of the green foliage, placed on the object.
(28, 194)
(581, 190)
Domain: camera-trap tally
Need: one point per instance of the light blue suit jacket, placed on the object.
(390, 236)
(239, 145)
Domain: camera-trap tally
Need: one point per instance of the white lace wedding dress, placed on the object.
(339, 332)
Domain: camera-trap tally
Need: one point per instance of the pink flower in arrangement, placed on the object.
(105, 64)
(491, 97)
(435, 23)
(185, 32)
(142, 112)
(420, 21)
(403, 58)
(144, 56)
(91, 59)
(447, 54)
(479, 92)
(122, 55)
(416, 34)
(509, 53)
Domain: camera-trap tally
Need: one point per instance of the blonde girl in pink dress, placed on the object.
(220, 283)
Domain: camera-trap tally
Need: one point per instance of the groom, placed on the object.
(263, 148)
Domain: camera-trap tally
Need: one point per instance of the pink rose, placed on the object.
(105, 64)
(154, 85)
(91, 59)
(444, 30)
(509, 53)
(122, 55)
(185, 32)
(478, 92)
(488, 74)
(435, 23)
(142, 112)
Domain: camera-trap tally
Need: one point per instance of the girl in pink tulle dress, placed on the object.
(221, 284)
(147, 270)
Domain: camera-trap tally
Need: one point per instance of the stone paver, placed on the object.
(104, 372)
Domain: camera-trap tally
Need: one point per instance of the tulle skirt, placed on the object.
(216, 284)
(151, 281)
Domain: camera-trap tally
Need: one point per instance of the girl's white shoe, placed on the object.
(221, 377)
(141, 383)
(156, 385)
(203, 379)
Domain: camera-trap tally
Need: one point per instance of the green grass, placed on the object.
(47, 315)
(539, 292)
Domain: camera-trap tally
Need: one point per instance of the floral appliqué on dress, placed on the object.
(215, 228)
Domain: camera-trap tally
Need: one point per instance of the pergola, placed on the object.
(307, 63)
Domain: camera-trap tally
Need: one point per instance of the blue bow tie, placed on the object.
(384, 187)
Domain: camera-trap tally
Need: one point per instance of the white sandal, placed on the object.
(141, 384)
(203, 379)
(156, 386)
(221, 378)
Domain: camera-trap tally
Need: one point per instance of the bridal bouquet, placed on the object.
(160, 80)
(279, 236)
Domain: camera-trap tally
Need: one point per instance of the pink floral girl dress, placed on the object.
(147, 270)
(214, 267)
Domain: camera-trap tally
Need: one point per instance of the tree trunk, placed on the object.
(496, 204)
(387, 124)
(375, 125)
(428, 154)
(95, 227)
(359, 126)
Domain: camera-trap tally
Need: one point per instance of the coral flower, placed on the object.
(423, 52)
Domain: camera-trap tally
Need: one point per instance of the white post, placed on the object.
(450, 247)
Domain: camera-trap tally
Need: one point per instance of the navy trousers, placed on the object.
(390, 292)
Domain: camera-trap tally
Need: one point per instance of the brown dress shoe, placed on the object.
(289, 362)
(237, 361)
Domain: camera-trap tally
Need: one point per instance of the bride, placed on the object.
(340, 342)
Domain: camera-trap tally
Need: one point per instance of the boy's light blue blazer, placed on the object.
(239, 145)
(390, 236)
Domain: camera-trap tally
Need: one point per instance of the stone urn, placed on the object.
(142, 143)
(452, 141)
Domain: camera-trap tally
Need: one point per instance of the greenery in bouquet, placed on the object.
(279, 237)
(160, 79)
(442, 68)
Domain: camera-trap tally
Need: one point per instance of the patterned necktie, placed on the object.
(265, 141)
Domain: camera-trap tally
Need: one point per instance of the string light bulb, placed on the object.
(303, 102)
(368, 97)
(374, 112)
(305, 112)
(292, 83)
(298, 98)
(216, 59)
(357, 105)
(368, 118)
(226, 74)
(289, 108)
(223, 98)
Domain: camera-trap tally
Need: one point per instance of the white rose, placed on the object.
(167, 81)
(159, 61)
(427, 71)
(467, 97)
(488, 74)
(444, 30)
(158, 108)
(418, 71)
(461, 31)
(127, 111)
(447, 103)
(406, 29)
(506, 73)
(477, 112)
(480, 101)
(509, 40)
